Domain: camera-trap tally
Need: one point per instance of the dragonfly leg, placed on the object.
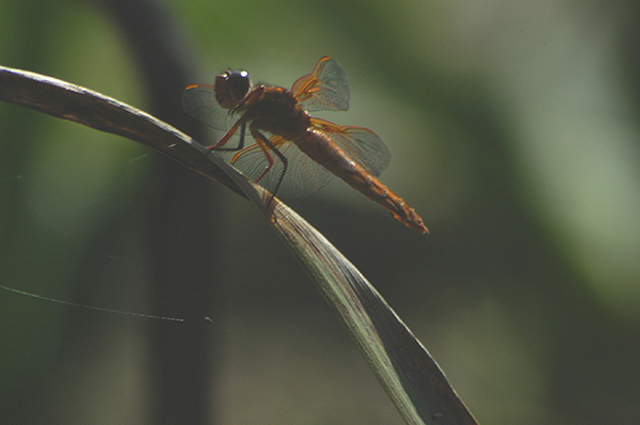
(219, 146)
(264, 144)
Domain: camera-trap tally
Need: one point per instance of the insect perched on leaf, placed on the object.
(299, 153)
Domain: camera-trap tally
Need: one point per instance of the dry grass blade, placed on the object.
(75, 103)
(403, 366)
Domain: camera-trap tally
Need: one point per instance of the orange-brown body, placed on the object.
(275, 109)
(355, 154)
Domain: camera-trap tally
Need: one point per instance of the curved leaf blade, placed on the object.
(405, 369)
(78, 104)
(409, 375)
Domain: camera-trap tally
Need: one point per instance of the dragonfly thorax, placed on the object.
(275, 109)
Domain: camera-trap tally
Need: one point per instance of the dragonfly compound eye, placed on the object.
(232, 87)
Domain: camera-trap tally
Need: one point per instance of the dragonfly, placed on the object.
(294, 153)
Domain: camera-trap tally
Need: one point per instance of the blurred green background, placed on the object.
(515, 131)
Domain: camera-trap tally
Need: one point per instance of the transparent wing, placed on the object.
(199, 101)
(358, 143)
(303, 175)
(325, 89)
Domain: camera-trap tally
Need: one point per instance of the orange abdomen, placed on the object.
(325, 152)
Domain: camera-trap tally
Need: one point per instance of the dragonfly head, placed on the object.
(231, 87)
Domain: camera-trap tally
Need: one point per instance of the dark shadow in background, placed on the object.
(494, 248)
(173, 224)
